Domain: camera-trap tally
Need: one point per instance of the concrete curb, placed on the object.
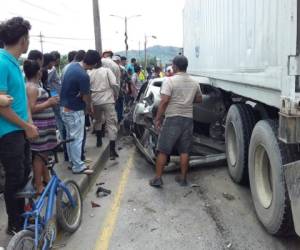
(86, 181)
(98, 156)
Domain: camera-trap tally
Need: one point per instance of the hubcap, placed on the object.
(263, 176)
(232, 145)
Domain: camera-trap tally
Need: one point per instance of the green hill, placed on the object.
(163, 53)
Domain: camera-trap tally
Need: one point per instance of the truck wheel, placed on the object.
(267, 156)
(240, 121)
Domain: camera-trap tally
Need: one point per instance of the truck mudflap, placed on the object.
(292, 178)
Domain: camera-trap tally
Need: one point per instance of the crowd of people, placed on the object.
(38, 98)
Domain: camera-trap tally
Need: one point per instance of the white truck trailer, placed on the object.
(248, 50)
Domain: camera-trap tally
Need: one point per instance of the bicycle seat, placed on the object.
(27, 192)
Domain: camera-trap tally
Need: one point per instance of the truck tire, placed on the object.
(240, 121)
(267, 155)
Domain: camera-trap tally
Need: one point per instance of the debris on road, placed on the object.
(102, 192)
(57, 246)
(100, 183)
(229, 197)
(187, 194)
(153, 229)
(94, 204)
(228, 245)
(207, 204)
(149, 209)
(195, 185)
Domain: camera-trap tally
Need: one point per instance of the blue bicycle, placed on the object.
(40, 225)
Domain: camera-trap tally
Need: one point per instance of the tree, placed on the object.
(63, 61)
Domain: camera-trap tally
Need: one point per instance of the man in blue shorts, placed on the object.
(178, 94)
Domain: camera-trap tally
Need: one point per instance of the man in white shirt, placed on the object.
(178, 94)
(107, 62)
(120, 100)
(104, 91)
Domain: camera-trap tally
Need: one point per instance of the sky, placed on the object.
(58, 19)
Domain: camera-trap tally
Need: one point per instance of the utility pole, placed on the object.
(139, 49)
(126, 33)
(126, 37)
(41, 41)
(145, 50)
(97, 26)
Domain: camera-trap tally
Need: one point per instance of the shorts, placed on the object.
(176, 131)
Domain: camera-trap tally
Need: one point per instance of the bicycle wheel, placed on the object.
(68, 217)
(23, 240)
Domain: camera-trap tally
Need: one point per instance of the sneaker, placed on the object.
(181, 181)
(156, 182)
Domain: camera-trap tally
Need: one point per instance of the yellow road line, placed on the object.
(111, 218)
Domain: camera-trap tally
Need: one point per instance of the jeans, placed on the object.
(83, 143)
(16, 160)
(74, 123)
(87, 123)
(61, 129)
(59, 121)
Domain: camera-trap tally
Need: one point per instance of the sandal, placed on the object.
(85, 171)
(181, 181)
(156, 182)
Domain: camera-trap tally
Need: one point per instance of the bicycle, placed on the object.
(39, 231)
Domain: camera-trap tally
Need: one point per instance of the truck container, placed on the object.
(248, 50)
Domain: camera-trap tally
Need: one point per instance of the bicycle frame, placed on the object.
(50, 192)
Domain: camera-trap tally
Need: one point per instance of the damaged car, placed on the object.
(208, 138)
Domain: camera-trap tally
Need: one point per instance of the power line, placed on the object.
(64, 38)
(40, 7)
(67, 8)
(30, 18)
(42, 40)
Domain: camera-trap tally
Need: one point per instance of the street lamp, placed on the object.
(145, 44)
(125, 18)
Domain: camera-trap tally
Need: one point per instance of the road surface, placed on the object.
(213, 214)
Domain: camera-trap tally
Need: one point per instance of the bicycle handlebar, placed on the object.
(55, 150)
(64, 142)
